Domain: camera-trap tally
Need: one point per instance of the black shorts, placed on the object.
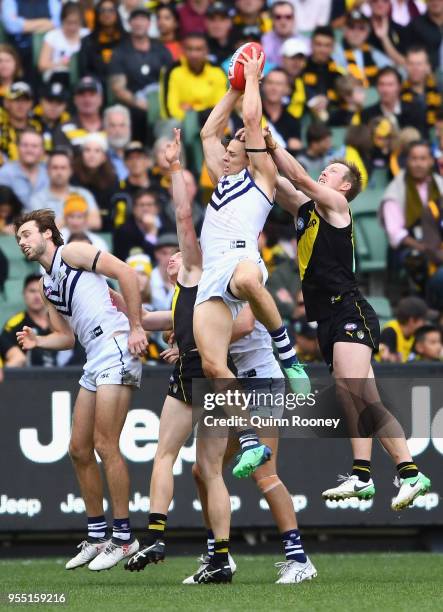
(352, 320)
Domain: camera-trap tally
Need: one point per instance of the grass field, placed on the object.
(351, 582)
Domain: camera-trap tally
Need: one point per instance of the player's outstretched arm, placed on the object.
(288, 197)
(159, 320)
(212, 133)
(86, 257)
(187, 238)
(243, 324)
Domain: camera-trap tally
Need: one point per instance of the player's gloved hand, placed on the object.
(137, 341)
(298, 378)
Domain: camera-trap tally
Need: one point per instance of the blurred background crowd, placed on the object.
(90, 92)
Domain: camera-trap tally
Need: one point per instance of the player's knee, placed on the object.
(208, 470)
(267, 483)
(247, 284)
(105, 448)
(80, 454)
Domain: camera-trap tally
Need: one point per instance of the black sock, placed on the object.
(156, 526)
(362, 469)
(248, 439)
(407, 469)
(221, 550)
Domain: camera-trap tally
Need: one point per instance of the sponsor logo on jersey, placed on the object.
(360, 334)
(300, 224)
(350, 326)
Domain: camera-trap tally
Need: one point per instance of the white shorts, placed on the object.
(214, 281)
(112, 365)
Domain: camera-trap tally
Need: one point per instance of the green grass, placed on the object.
(351, 582)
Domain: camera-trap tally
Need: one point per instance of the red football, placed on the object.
(236, 69)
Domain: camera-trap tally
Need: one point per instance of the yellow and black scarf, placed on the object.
(312, 77)
(433, 98)
(366, 76)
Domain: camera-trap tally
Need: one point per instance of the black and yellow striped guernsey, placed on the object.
(182, 316)
(326, 261)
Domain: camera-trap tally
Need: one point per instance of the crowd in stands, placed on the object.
(90, 91)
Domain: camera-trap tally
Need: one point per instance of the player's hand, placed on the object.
(172, 153)
(27, 338)
(170, 355)
(137, 341)
(253, 65)
(240, 135)
(269, 139)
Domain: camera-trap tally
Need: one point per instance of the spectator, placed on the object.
(15, 117)
(88, 99)
(401, 145)
(162, 288)
(219, 32)
(98, 47)
(168, 25)
(125, 8)
(397, 336)
(250, 19)
(192, 16)
(135, 67)
(142, 228)
(35, 315)
(404, 11)
(306, 342)
(350, 100)
(159, 174)
(391, 106)
(283, 28)
(10, 69)
(28, 174)
(411, 212)
(321, 72)
(284, 127)
(311, 15)
(428, 344)
(59, 45)
(420, 85)
(318, 152)
(76, 221)
(355, 54)
(137, 162)
(117, 124)
(386, 35)
(23, 19)
(51, 113)
(294, 53)
(384, 136)
(168, 210)
(427, 31)
(194, 84)
(94, 171)
(357, 149)
(10, 209)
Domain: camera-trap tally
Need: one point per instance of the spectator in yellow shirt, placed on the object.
(193, 83)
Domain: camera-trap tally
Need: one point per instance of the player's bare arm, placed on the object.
(86, 257)
(288, 197)
(212, 134)
(243, 324)
(159, 320)
(190, 270)
(263, 168)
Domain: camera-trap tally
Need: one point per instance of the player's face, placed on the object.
(431, 346)
(334, 177)
(32, 297)
(174, 265)
(235, 158)
(31, 241)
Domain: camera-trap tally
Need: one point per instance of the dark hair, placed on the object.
(31, 278)
(282, 3)
(359, 137)
(4, 48)
(79, 237)
(421, 333)
(417, 49)
(277, 69)
(70, 8)
(59, 151)
(7, 196)
(170, 8)
(418, 143)
(388, 70)
(196, 35)
(323, 31)
(353, 176)
(45, 220)
(145, 191)
(317, 131)
(95, 178)
(411, 308)
(119, 29)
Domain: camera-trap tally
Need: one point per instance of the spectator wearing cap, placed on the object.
(386, 35)
(321, 73)
(428, 344)
(193, 83)
(251, 19)
(168, 27)
(117, 124)
(15, 117)
(135, 69)
(420, 85)
(284, 127)
(27, 175)
(318, 152)
(355, 54)
(219, 32)
(192, 16)
(161, 287)
(97, 48)
(142, 228)
(400, 113)
(10, 69)
(294, 52)
(427, 31)
(23, 19)
(283, 28)
(76, 221)
(397, 336)
(94, 171)
(60, 44)
(306, 342)
(51, 112)
(411, 211)
(88, 100)
(59, 189)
